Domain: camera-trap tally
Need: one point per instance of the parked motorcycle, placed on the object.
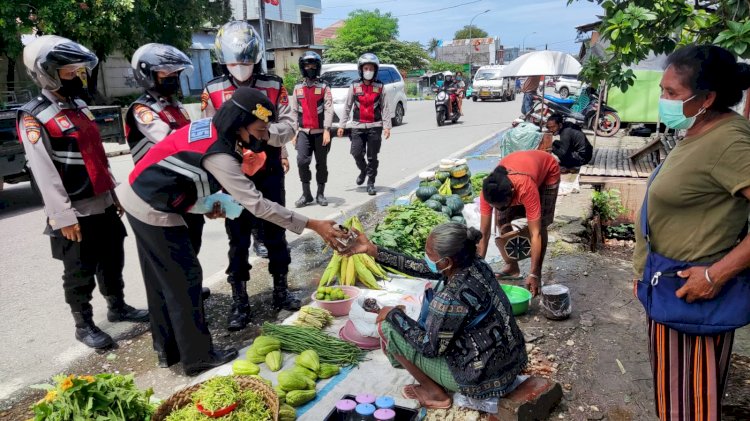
(608, 124)
(442, 98)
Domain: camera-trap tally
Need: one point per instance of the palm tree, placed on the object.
(432, 46)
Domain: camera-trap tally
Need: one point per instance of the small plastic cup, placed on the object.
(384, 415)
(385, 402)
(365, 398)
(365, 411)
(345, 408)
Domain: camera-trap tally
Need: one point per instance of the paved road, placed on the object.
(38, 328)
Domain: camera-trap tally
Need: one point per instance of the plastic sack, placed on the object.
(363, 321)
(524, 137)
(471, 214)
(485, 405)
(231, 207)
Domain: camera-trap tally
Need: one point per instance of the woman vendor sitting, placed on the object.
(466, 339)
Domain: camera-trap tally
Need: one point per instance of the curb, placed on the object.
(111, 154)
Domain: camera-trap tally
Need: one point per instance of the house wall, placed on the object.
(459, 54)
(116, 77)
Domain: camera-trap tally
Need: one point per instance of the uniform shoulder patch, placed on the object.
(204, 100)
(200, 130)
(32, 127)
(144, 114)
(283, 97)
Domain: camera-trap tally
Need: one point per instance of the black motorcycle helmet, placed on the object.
(47, 54)
(310, 57)
(152, 58)
(368, 58)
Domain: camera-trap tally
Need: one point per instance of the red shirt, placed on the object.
(528, 171)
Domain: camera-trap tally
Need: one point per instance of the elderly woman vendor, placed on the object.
(467, 339)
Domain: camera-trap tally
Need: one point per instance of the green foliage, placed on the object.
(412, 89)
(635, 28)
(292, 77)
(470, 31)
(607, 204)
(442, 66)
(621, 232)
(405, 228)
(373, 32)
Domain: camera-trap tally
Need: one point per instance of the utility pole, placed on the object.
(264, 63)
(471, 47)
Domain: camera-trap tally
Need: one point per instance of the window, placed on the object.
(385, 76)
(394, 75)
(268, 31)
(340, 78)
(295, 34)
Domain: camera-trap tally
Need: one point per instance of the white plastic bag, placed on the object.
(471, 214)
(362, 320)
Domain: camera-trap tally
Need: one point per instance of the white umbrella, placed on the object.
(538, 63)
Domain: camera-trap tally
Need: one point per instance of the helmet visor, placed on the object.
(168, 68)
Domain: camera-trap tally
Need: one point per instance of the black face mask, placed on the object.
(71, 88)
(256, 145)
(311, 73)
(168, 86)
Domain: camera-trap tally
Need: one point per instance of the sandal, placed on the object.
(505, 276)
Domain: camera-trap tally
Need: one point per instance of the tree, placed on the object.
(470, 31)
(432, 46)
(637, 27)
(367, 31)
(15, 19)
(443, 66)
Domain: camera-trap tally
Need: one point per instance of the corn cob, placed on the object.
(364, 275)
(331, 270)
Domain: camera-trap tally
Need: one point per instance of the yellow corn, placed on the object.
(351, 271)
(365, 276)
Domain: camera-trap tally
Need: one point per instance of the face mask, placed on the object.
(71, 87)
(168, 86)
(432, 265)
(369, 75)
(311, 73)
(673, 116)
(241, 73)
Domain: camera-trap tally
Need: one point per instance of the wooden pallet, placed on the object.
(609, 163)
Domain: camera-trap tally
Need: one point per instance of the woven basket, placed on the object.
(184, 397)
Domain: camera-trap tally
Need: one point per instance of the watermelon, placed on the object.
(434, 205)
(460, 171)
(457, 183)
(447, 211)
(458, 218)
(455, 203)
(424, 193)
(439, 198)
(442, 175)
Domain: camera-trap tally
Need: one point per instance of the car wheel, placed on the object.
(398, 118)
(564, 92)
(474, 99)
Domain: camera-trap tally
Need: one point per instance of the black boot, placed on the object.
(320, 197)
(306, 198)
(361, 177)
(205, 293)
(88, 333)
(371, 190)
(215, 358)
(258, 247)
(164, 361)
(121, 312)
(239, 315)
(282, 299)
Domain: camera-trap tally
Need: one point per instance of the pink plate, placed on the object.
(349, 333)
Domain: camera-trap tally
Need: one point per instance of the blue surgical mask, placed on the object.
(431, 265)
(672, 114)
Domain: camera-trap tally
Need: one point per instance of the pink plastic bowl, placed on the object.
(339, 307)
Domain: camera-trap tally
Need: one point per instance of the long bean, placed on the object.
(331, 350)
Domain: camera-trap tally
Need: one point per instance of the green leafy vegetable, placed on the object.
(217, 393)
(405, 228)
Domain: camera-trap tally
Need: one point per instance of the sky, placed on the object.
(535, 22)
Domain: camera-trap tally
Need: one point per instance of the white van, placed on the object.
(341, 76)
(488, 84)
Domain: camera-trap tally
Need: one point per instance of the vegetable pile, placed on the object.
(477, 180)
(405, 228)
(298, 339)
(219, 393)
(99, 397)
(447, 189)
(349, 270)
(313, 317)
(330, 294)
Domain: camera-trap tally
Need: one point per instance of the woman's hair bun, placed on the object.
(743, 76)
(473, 235)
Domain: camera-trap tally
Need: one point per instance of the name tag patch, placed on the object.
(200, 130)
(63, 122)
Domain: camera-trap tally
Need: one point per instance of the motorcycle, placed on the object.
(608, 124)
(442, 96)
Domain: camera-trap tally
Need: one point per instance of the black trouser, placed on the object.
(307, 146)
(173, 277)
(195, 223)
(367, 142)
(98, 258)
(270, 182)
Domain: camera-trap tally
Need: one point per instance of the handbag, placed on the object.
(656, 290)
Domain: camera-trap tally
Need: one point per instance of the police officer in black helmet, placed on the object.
(312, 105)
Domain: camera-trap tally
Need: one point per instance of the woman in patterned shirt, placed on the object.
(467, 339)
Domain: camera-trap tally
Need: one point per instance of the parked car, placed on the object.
(341, 76)
(566, 86)
(488, 84)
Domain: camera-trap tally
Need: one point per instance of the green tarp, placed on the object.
(640, 104)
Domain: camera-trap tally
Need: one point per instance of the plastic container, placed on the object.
(556, 302)
(402, 413)
(339, 307)
(384, 415)
(519, 298)
(385, 402)
(345, 408)
(365, 398)
(364, 412)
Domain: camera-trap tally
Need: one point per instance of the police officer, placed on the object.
(371, 119)
(159, 112)
(67, 159)
(201, 159)
(313, 106)
(239, 49)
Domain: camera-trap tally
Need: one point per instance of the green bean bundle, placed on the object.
(297, 339)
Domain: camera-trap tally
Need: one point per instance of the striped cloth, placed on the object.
(690, 373)
(547, 201)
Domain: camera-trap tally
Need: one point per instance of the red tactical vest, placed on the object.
(75, 147)
(368, 102)
(175, 116)
(170, 177)
(310, 105)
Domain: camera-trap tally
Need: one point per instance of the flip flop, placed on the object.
(429, 404)
(408, 392)
(505, 276)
